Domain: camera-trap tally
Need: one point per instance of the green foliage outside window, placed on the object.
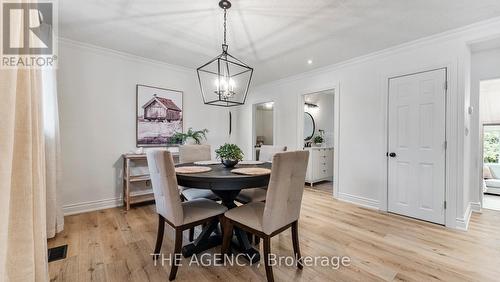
(491, 146)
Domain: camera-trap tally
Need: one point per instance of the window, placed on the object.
(491, 143)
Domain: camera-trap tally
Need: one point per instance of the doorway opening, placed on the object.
(317, 134)
(489, 115)
(263, 132)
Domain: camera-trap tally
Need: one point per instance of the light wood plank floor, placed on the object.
(113, 245)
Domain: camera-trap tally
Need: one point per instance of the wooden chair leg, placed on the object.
(227, 236)
(191, 234)
(221, 221)
(159, 236)
(177, 254)
(295, 242)
(250, 237)
(267, 252)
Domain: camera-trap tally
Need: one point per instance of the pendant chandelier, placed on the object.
(224, 80)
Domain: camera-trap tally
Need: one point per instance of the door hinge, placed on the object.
(444, 204)
(445, 145)
(446, 85)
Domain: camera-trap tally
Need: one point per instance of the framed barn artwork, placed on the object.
(158, 116)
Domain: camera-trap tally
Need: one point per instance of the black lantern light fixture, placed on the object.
(224, 80)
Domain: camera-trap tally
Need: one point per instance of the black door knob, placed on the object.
(392, 155)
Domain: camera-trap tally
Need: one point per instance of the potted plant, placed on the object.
(318, 140)
(229, 154)
(191, 136)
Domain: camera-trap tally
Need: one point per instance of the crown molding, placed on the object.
(470, 34)
(124, 55)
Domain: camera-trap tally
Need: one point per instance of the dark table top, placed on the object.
(221, 178)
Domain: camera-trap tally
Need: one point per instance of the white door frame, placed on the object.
(480, 156)
(451, 169)
(254, 136)
(336, 130)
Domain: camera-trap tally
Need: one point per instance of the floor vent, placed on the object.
(58, 253)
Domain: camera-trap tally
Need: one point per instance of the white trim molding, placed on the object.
(364, 202)
(123, 55)
(334, 87)
(475, 32)
(475, 207)
(463, 223)
(92, 206)
(452, 134)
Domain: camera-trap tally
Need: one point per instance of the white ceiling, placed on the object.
(276, 37)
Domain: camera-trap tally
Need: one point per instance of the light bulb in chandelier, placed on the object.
(224, 87)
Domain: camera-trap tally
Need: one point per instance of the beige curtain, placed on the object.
(29, 152)
(55, 218)
(23, 240)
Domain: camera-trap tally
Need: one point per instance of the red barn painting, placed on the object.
(161, 109)
(159, 116)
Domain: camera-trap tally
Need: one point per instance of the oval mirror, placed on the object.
(309, 126)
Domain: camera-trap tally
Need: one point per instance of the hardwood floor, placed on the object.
(113, 245)
(491, 202)
(325, 186)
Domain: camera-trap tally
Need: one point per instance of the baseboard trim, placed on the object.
(361, 201)
(91, 206)
(475, 207)
(463, 223)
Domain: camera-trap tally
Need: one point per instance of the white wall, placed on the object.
(97, 110)
(464, 80)
(485, 66)
(362, 86)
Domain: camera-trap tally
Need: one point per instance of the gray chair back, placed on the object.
(194, 153)
(284, 193)
(165, 189)
(267, 152)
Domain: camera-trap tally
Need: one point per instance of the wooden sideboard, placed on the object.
(144, 195)
(320, 165)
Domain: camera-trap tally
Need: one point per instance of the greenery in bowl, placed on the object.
(229, 152)
(197, 135)
(318, 139)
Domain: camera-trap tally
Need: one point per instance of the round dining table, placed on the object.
(226, 185)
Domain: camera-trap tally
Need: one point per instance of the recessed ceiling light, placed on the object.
(268, 105)
(309, 62)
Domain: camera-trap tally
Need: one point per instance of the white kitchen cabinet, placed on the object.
(320, 165)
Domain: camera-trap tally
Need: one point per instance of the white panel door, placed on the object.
(417, 123)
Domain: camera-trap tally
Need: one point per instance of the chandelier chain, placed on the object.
(225, 18)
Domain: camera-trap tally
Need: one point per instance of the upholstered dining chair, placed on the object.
(190, 154)
(280, 211)
(180, 215)
(267, 152)
(194, 153)
(259, 194)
